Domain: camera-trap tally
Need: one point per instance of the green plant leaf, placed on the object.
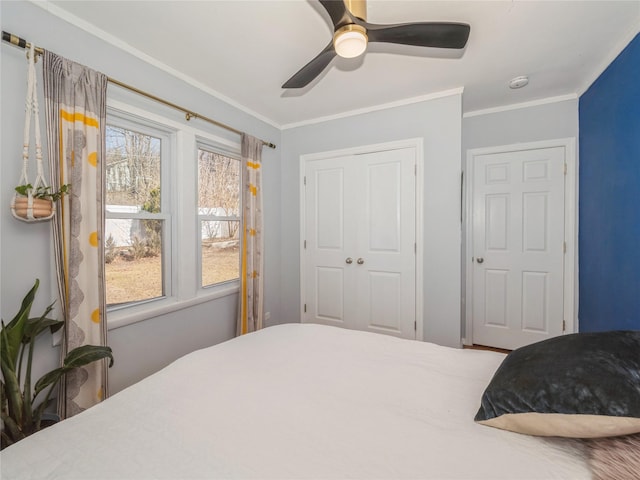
(3, 396)
(77, 357)
(26, 389)
(27, 301)
(42, 191)
(86, 354)
(35, 326)
(13, 395)
(14, 433)
(37, 416)
(24, 189)
(12, 333)
(48, 379)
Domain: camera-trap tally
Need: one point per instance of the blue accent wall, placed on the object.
(609, 236)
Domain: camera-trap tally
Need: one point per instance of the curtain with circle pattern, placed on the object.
(251, 261)
(75, 107)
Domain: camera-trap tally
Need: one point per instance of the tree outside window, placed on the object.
(134, 228)
(219, 216)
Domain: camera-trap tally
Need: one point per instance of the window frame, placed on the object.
(209, 146)
(165, 136)
(181, 175)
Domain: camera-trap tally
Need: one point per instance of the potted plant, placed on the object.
(43, 199)
(21, 411)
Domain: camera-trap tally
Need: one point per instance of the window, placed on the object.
(137, 218)
(172, 211)
(218, 216)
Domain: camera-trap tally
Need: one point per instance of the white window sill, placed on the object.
(128, 315)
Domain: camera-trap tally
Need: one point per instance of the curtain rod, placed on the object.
(22, 43)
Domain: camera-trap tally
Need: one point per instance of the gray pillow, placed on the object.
(582, 385)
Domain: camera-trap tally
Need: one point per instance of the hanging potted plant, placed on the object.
(21, 410)
(33, 202)
(36, 201)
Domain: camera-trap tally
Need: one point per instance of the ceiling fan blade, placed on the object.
(421, 34)
(312, 69)
(338, 12)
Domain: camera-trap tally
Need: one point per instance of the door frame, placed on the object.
(570, 289)
(417, 144)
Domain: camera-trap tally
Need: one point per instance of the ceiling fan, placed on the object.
(352, 33)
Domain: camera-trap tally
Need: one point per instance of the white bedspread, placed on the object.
(298, 401)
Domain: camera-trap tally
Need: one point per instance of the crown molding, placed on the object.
(516, 106)
(375, 108)
(116, 42)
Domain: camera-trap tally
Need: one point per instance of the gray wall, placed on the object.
(144, 347)
(531, 124)
(438, 123)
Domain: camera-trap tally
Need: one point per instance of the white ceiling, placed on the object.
(245, 50)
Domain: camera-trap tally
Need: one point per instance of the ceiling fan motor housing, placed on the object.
(357, 8)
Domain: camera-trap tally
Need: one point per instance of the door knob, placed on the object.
(349, 260)
(479, 259)
(360, 261)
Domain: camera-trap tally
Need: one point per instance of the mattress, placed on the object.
(299, 401)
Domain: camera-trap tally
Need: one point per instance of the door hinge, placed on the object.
(415, 170)
(564, 247)
(564, 326)
(305, 308)
(415, 326)
(415, 248)
(304, 180)
(565, 168)
(305, 244)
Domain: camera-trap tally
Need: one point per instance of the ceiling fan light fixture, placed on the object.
(350, 41)
(352, 32)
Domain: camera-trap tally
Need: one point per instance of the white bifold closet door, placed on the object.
(359, 260)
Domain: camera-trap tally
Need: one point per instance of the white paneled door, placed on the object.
(359, 259)
(518, 246)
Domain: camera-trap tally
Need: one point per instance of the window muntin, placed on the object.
(218, 216)
(137, 222)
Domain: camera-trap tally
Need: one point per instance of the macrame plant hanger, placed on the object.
(27, 208)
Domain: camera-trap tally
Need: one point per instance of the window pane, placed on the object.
(133, 258)
(220, 251)
(218, 185)
(132, 171)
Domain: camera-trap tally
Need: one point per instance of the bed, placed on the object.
(299, 401)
